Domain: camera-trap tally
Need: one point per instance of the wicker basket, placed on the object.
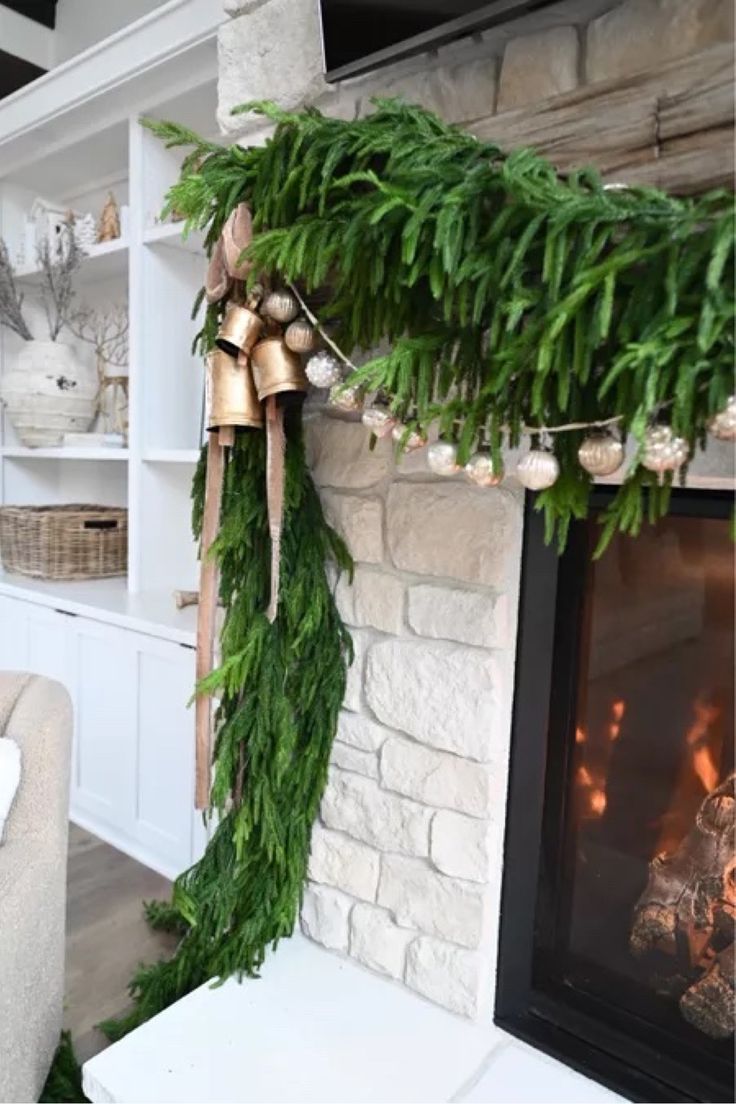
(64, 542)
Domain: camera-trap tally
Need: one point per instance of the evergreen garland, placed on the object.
(510, 296)
(280, 688)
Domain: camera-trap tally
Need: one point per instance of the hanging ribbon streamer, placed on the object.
(275, 464)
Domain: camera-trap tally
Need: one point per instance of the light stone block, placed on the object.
(468, 616)
(359, 521)
(461, 846)
(377, 942)
(361, 808)
(360, 732)
(537, 66)
(435, 777)
(339, 861)
(638, 34)
(455, 531)
(353, 699)
(419, 897)
(445, 974)
(352, 759)
(325, 916)
(378, 601)
(442, 694)
(339, 455)
(270, 52)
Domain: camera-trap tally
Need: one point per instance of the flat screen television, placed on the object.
(359, 35)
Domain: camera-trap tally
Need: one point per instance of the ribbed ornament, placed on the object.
(538, 470)
(300, 336)
(281, 305)
(601, 454)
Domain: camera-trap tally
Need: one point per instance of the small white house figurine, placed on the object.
(48, 221)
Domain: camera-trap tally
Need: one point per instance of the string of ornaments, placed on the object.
(601, 453)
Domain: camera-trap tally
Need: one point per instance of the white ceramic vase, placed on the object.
(49, 392)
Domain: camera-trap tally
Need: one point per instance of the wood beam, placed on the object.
(671, 127)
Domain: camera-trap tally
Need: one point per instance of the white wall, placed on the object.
(81, 23)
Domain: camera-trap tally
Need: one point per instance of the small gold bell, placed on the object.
(276, 369)
(231, 393)
(239, 331)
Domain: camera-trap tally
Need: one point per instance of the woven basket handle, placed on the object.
(100, 523)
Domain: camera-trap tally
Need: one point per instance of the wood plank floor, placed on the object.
(107, 936)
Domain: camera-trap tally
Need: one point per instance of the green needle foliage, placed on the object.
(280, 688)
(510, 295)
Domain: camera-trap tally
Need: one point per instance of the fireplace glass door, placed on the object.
(632, 946)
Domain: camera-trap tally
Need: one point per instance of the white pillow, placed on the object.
(9, 778)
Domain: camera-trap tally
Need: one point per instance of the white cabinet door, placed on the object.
(165, 766)
(104, 772)
(50, 651)
(13, 634)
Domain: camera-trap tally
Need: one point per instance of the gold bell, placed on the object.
(231, 393)
(239, 331)
(276, 368)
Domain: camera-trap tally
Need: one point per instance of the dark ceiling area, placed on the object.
(42, 11)
(15, 72)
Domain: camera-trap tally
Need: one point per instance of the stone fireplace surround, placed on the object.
(407, 855)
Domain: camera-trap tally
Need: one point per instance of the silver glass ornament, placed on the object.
(601, 454)
(347, 397)
(300, 336)
(415, 440)
(538, 470)
(662, 451)
(442, 458)
(323, 370)
(723, 425)
(378, 419)
(480, 469)
(281, 305)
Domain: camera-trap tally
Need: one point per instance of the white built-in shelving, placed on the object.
(121, 646)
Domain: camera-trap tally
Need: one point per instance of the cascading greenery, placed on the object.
(510, 296)
(280, 688)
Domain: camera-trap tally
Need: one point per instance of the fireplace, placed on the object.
(617, 922)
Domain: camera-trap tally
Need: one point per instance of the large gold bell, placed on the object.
(231, 393)
(276, 369)
(240, 330)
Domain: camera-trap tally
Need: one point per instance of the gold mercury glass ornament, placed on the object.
(481, 471)
(442, 458)
(415, 439)
(378, 419)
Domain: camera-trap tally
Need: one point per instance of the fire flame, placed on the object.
(702, 756)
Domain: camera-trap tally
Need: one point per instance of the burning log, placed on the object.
(687, 912)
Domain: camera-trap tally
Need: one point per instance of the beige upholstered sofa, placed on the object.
(36, 713)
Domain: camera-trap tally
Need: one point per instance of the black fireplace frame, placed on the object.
(566, 1023)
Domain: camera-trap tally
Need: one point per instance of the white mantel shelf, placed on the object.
(316, 1028)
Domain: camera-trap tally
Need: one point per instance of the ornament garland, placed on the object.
(512, 298)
